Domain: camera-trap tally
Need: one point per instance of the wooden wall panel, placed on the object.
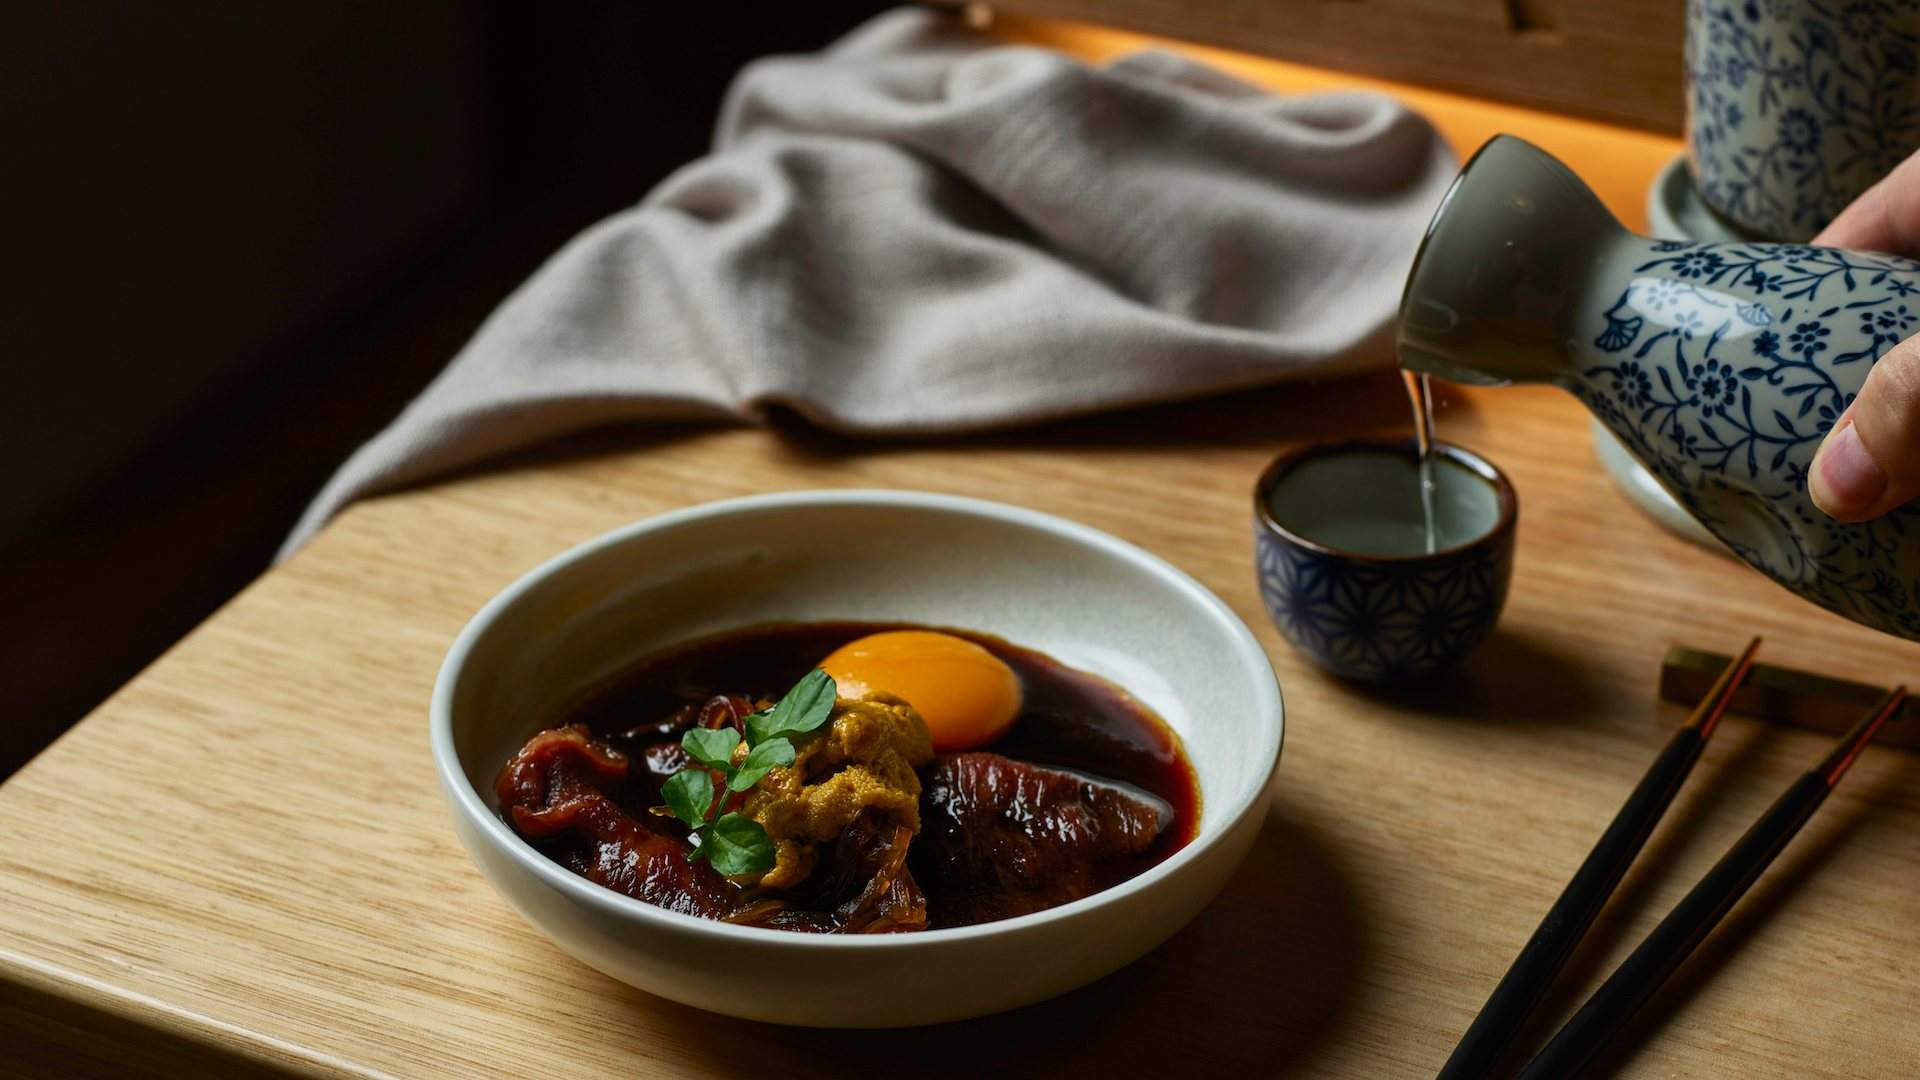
(1617, 61)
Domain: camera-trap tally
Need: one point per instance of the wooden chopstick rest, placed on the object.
(1787, 696)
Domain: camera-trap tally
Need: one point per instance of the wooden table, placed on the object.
(241, 863)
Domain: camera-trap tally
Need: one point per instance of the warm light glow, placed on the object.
(1619, 163)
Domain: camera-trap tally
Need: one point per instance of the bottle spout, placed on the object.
(1415, 358)
(1499, 281)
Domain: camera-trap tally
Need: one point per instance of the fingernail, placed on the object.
(1846, 481)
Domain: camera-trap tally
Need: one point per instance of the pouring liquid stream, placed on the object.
(1420, 392)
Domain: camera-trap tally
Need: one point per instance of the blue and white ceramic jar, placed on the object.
(1721, 367)
(1794, 107)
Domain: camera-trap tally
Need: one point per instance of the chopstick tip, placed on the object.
(1706, 715)
(1843, 755)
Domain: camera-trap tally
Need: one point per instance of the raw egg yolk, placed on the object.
(967, 695)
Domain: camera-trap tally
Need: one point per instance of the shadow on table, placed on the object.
(604, 441)
(1709, 798)
(1251, 987)
(1297, 411)
(1261, 416)
(1798, 865)
(1509, 679)
(48, 1036)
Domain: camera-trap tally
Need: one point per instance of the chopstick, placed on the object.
(1546, 952)
(1637, 977)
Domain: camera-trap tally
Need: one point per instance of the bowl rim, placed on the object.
(1506, 498)
(1268, 709)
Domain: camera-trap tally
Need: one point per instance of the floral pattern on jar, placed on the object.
(1795, 107)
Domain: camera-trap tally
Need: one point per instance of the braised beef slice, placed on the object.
(888, 899)
(862, 885)
(721, 710)
(582, 802)
(655, 747)
(1000, 838)
(558, 793)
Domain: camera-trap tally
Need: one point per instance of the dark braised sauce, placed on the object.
(969, 874)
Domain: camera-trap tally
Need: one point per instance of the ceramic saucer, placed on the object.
(1675, 210)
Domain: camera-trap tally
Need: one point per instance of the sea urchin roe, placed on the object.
(864, 760)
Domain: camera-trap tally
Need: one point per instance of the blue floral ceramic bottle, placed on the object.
(1720, 366)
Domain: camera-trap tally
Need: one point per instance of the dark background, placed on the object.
(240, 237)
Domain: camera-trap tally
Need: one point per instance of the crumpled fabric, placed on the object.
(922, 230)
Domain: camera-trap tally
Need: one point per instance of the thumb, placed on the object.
(1886, 217)
(1870, 461)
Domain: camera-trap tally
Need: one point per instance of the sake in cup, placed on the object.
(1350, 573)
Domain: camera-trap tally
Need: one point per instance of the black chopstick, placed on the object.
(1637, 977)
(1526, 981)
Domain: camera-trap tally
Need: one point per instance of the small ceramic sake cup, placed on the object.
(1346, 569)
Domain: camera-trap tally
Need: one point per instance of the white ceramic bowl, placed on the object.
(1077, 594)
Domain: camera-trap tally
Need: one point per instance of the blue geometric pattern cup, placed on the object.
(1376, 617)
(1794, 107)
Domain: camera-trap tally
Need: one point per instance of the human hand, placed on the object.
(1870, 461)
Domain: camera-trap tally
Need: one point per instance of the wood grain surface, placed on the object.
(1619, 61)
(240, 865)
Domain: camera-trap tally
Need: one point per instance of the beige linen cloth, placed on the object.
(920, 230)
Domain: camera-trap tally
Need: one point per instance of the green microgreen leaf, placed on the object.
(772, 754)
(689, 794)
(805, 707)
(711, 746)
(736, 844)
